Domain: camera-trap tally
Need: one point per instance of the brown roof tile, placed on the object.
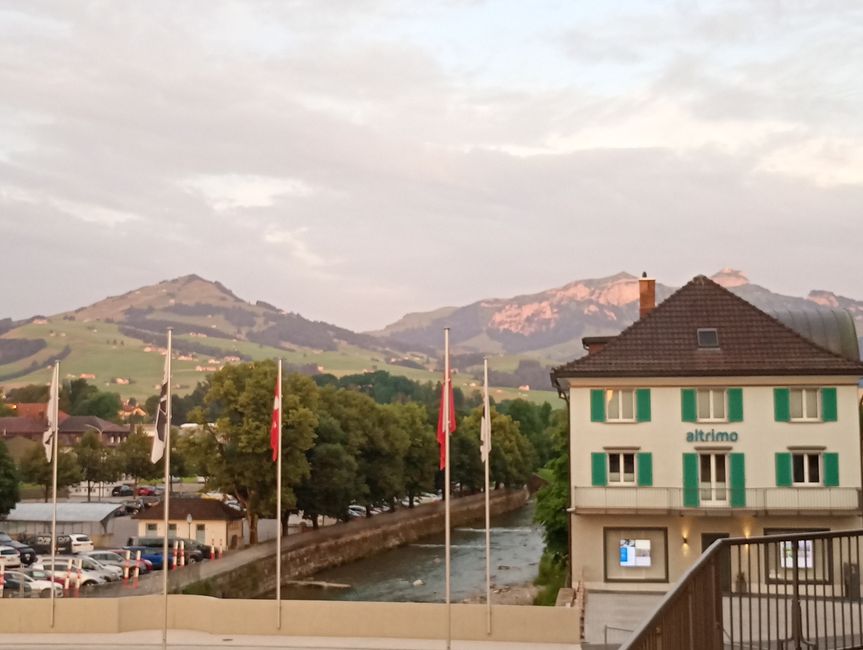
(664, 343)
(200, 509)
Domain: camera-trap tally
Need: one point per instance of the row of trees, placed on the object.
(77, 397)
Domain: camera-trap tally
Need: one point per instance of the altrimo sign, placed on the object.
(700, 435)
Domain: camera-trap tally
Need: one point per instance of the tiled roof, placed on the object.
(664, 343)
(84, 423)
(18, 425)
(200, 509)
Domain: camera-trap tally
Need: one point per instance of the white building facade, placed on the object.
(707, 418)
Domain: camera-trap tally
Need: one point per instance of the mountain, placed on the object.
(550, 324)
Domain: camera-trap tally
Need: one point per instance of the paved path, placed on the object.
(187, 640)
(618, 610)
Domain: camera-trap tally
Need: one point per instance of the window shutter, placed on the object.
(690, 480)
(828, 405)
(738, 480)
(781, 405)
(831, 469)
(783, 469)
(687, 405)
(735, 404)
(642, 404)
(597, 405)
(599, 476)
(645, 468)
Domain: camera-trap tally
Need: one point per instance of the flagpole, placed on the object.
(446, 419)
(167, 500)
(279, 510)
(54, 405)
(487, 447)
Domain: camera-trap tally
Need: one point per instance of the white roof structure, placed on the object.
(66, 512)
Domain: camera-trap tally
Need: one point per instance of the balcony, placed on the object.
(653, 500)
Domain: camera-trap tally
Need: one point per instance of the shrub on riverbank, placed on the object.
(551, 578)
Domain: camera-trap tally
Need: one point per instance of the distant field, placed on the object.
(99, 349)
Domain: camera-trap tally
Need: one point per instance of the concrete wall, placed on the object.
(299, 618)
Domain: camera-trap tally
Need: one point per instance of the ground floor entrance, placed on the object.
(724, 559)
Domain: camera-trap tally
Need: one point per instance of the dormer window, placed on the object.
(708, 337)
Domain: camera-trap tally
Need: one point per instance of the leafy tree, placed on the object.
(421, 458)
(235, 452)
(98, 463)
(35, 469)
(331, 485)
(533, 422)
(134, 458)
(6, 410)
(552, 500)
(512, 456)
(29, 394)
(101, 404)
(465, 462)
(8, 482)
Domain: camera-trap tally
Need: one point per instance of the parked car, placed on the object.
(15, 588)
(122, 491)
(42, 587)
(41, 574)
(62, 566)
(10, 557)
(41, 543)
(113, 558)
(151, 555)
(146, 491)
(195, 551)
(27, 553)
(112, 573)
(80, 543)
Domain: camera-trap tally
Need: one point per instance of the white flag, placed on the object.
(51, 414)
(485, 423)
(161, 415)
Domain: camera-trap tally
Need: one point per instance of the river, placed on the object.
(516, 546)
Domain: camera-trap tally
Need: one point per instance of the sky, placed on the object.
(356, 160)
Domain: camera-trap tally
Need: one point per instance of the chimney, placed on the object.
(646, 295)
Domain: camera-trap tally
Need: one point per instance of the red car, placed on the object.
(146, 491)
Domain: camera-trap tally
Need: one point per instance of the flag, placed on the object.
(485, 423)
(161, 416)
(441, 418)
(274, 426)
(53, 402)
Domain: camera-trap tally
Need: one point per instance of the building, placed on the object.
(94, 519)
(31, 422)
(707, 418)
(207, 521)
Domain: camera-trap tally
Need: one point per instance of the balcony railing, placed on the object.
(763, 500)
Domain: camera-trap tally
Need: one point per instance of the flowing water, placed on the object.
(516, 546)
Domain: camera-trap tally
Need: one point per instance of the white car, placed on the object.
(41, 587)
(80, 543)
(61, 568)
(10, 557)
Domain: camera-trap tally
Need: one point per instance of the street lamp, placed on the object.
(189, 521)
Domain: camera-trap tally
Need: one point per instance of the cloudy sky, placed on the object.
(354, 160)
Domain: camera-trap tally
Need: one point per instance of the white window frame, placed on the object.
(712, 399)
(621, 474)
(620, 392)
(806, 416)
(708, 494)
(806, 482)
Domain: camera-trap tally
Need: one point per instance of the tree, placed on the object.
(28, 394)
(512, 456)
(552, 500)
(422, 457)
(533, 422)
(134, 458)
(465, 461)
(35, 469)
(8, 482)
(235, 452)
(100, 404)
(98, 463)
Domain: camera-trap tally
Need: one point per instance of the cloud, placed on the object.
(229, 191)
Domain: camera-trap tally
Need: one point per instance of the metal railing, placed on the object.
(765, 500)
(789, 591)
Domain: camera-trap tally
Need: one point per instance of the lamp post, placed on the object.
(189, 521)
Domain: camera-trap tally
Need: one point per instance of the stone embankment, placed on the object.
(251, 572)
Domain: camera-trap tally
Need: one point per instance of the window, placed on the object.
(708, 337)
(151, 529)
(711, 405)
(803, 404)
(172, 530)
(806, 468)
(620, 405)
(635, 554)
(712, 479)
(621, 468)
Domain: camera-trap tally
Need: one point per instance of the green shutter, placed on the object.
(828, 404)
(687, 405)
(642, 404)
(598, 465)
(783, 469)
(735, 404)
(831, 469)
(781, 404)
(597, 405)
(690, 480)
(645, 468)
(738, 480)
